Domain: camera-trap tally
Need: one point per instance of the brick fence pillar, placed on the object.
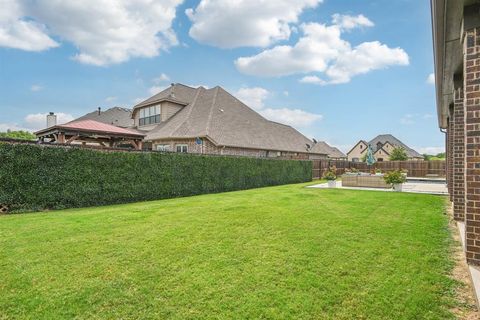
(458, 189)
(471, 64)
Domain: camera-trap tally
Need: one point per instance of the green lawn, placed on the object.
(278, 253)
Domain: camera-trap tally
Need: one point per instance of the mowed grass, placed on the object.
(284, 252)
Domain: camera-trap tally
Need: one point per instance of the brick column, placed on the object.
(471, 47)
(458, 190)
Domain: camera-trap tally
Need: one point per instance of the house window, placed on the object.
(355, 159)
(182, 148)
(361, 146)
(149, 115)
(163, 147)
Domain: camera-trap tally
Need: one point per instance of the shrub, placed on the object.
(331, 173)
(395, 177)
(36, 177)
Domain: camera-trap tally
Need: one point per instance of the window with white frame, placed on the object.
(163, 147)
(149, 115)
(182, 148)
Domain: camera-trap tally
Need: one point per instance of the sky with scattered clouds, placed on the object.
(337, 70)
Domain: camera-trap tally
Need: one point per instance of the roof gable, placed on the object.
(384, 138)
(359, 142)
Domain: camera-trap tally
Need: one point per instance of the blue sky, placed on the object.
(337, 70)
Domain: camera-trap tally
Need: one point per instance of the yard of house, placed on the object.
(277, 252)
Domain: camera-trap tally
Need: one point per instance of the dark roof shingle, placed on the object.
(216, 114)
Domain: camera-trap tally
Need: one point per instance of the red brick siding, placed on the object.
(472, 143)
(458, 156)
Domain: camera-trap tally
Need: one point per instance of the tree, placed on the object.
(398, 154)
(23, 135)
(440, 155)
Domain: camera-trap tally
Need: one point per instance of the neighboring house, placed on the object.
(333, 153)
(382, 145)
(456, 48)
(209, 121)
(212, 121)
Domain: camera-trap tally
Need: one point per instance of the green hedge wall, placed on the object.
(34, 177)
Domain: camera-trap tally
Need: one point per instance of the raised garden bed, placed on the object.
(367, 181)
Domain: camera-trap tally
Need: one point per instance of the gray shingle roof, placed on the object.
(179, 92)
(325, 148)
(216, 114)
(383, 138)
(120, 117)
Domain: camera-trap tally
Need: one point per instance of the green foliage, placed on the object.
(395, 177)
(23, 135)
(330, 174)
(438, 156)
(37, 177)
(398, 154)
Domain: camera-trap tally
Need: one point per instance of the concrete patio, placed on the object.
(413, 186)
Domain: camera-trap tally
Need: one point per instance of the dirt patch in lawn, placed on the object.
(466, 307)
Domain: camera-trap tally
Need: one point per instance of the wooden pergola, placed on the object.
(91, 131)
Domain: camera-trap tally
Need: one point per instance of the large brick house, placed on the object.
(456, 38)
(382, 145)
(210, 121)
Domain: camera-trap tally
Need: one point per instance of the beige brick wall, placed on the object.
(209, 148)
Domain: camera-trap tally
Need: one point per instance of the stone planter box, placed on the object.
(367, 181)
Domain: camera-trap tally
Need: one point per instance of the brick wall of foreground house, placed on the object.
(472, 143)
(207, 147)
(458, 156)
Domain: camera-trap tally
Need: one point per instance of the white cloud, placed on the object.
(313, 80)
(286, 93)
(431, 78)
(430, 150)
(253, 97)
(231, 24)
(104, 31)
(37, 121)
(197, 85)
(20, 33)
(36, 88)
(156, 89)
(293, 117)
(347, 22)
(162, 78)
(321, 49)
